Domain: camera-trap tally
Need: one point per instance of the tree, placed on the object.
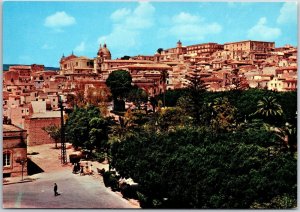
(98, 97)
(71, 100)
(153, 102)
(188, 168)
(137, 96)
(159, 50)
(125, 57)
(194, 100)
(87, 128)
(54, 132)
(170, 118)
(164, 76)
(79, 98)
(223, 115)
(171, 96)
(269, 109)
(119, 83)
(287, 137)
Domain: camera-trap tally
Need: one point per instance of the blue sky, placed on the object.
(40, 32)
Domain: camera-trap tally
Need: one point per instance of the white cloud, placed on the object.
(288, 13)
(59, 20)
(127, 26)
(183, 18)
(121, 38)
(189, 27)
(120, 14)
(81, 47)
(47, 47)
(263, 32)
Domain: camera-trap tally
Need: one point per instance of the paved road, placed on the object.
(76, 192)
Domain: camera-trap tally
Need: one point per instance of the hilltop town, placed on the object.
(31, 93)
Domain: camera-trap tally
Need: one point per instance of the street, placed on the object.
(76, 191)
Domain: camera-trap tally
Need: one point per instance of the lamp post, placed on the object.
(22, 161)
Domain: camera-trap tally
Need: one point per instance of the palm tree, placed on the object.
(269, 109)
(125, 126)
(288, 137)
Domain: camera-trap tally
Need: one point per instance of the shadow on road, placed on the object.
(32, 168)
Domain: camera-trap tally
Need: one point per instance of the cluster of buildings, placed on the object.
(31, 93)
(251, 63)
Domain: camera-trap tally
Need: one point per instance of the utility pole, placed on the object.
(62, 133)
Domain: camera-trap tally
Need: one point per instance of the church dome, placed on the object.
(104, 52)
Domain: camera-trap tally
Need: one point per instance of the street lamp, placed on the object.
(22, 161)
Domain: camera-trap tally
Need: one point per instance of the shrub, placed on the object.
(110, 180)
(128, 191)
(98, 156)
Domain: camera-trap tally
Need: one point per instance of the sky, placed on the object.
(41, 32)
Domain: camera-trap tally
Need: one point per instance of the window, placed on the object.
(6, 159)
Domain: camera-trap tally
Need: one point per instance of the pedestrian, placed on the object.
(55, 190)
(77, 167)
(74, 169)
(91, 170)
(81, 170)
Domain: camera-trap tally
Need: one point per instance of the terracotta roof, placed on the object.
(211, 79)
(247, 41)
(128, 61)
(290, 89)
(287, 68)
(290, 80)
(11, 128)
(68, 58)
(149, 66)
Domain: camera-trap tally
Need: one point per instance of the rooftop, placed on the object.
(11, 128)
(249, 41)
(129, 61)
(47, 114)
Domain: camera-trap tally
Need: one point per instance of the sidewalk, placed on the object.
(14, 180)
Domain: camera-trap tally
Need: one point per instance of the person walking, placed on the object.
(55, 190)
(81, 170)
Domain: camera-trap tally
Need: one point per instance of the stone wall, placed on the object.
(36, 135)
